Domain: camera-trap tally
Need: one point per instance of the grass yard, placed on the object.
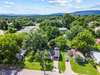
(33, 62)
(86, 69)
(32, 65)
(61, 64)
(98, 47)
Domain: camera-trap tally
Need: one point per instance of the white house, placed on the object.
(96, 56)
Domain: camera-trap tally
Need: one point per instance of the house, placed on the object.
(26, 29)
(97, 29)
(98, 41)
(96, 56)
(63, 29)
(56, 53)
(76, 54)
(72, 52)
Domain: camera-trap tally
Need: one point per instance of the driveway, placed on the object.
(68, 69)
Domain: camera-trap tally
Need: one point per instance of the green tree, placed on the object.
(35, 41)
(61, 42)
(11, 28)
(84, 41)
(70, 34)
(9, 47)
(77, 23)
(67, 20)
(3, 24)
(50, 31)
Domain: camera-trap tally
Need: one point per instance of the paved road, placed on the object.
(27, 72)
(33, 72)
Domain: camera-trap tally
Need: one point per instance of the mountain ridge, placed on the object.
(81, 13)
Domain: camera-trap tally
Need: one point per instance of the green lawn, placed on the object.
(61, 64)
(98, 47)
(86, 69)
(34, 64)
(31, 65)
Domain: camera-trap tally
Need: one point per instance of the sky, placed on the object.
(46, 6)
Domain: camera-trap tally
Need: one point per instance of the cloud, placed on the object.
(9, 3)
(78, 1)
(59, 2)
(96, 5)
(67, 3)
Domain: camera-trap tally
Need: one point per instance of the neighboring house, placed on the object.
(97, 29)
(96, 56)
(90, 24)
(76, 54)
(98, 41)
(72, 52)
(63, 29)
(26, 29)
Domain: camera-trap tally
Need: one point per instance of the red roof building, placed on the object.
(98, 41)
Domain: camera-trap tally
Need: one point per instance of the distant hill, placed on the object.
(57, 14)
(81, 13)
(87, 12)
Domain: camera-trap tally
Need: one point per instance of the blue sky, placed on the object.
(46, 6)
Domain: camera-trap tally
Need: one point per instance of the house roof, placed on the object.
(63, 29)
(56, 48)
(96, 55)
(97, 29)
(98, 41)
